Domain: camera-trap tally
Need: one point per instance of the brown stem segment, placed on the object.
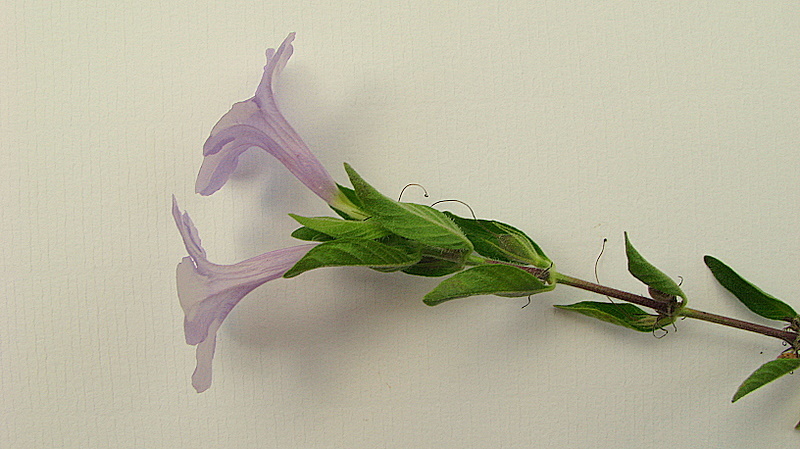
(787, 336)
(658, 306)
(665, 308)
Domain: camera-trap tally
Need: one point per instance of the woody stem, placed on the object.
(668, 308)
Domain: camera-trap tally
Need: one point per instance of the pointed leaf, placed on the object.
(355, 252)
(412, 221)
(754, 298)
(310, 235)
(338, 228)
(625, 315)
(501, 280)
(501, 241)
(433, 267)
(647, 273)
(350, 194)
(766, 374)
(356, 212)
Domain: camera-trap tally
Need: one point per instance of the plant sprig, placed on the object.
(475, 256)
(487, 257)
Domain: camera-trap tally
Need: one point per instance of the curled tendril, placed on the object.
(472, 212)
(666, 331)
(424, 190)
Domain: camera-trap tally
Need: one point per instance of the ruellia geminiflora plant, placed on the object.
(473, 256)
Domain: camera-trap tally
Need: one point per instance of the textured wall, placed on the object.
(574, 121)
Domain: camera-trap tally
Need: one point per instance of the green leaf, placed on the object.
(353, 210)
(625, 315)
(356, 252)
(754, 298)
(310, 235)
(647, 273)
(501, 241)
(766, 374)
(412, 221)
(501, 280)
(433, 267)
(338, 228)
(350, 194)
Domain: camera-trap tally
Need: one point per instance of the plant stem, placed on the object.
(787, 336)
(666, 308)
(658, 306)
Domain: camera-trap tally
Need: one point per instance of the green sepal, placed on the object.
(648, 274)
(339, 228)
(766, 374)
(625, 315)
(433, 267)
(310, 235)
(350, 194)
(412, 221)
(759, 302)
(356, 211)
(500, 241)
(357, 252)
(494, 279)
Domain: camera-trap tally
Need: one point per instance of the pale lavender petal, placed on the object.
(191, 240)
(201, 377)
(210, 295)
(208, 292)
(257, 122)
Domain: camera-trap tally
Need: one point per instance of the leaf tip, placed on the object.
(428, 301)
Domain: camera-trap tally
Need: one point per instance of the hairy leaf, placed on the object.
(501, 280)
(501, 241)
(412, 221)
(766, 374)
(433, 267)
(647, 273)
(754, 298)
(310, 235)
(350, 194)
(338, 228)
(356, 252)
(625, 315)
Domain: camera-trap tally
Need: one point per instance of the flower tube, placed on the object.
(257, 122)
(208, 292)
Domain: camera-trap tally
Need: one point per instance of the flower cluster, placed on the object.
(483, 256)
(208, 291)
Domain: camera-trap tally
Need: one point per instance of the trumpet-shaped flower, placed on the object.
(208, 291)
(257, 122)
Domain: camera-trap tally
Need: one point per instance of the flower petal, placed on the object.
(191, 239)
(201, 377)
(257, 122)
(208, 292)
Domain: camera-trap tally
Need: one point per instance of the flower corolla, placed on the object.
(257, 122)
(208, 292)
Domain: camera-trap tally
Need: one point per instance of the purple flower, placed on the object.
(208, 291)
(257, 122)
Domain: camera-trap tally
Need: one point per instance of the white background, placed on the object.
(573, 121)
